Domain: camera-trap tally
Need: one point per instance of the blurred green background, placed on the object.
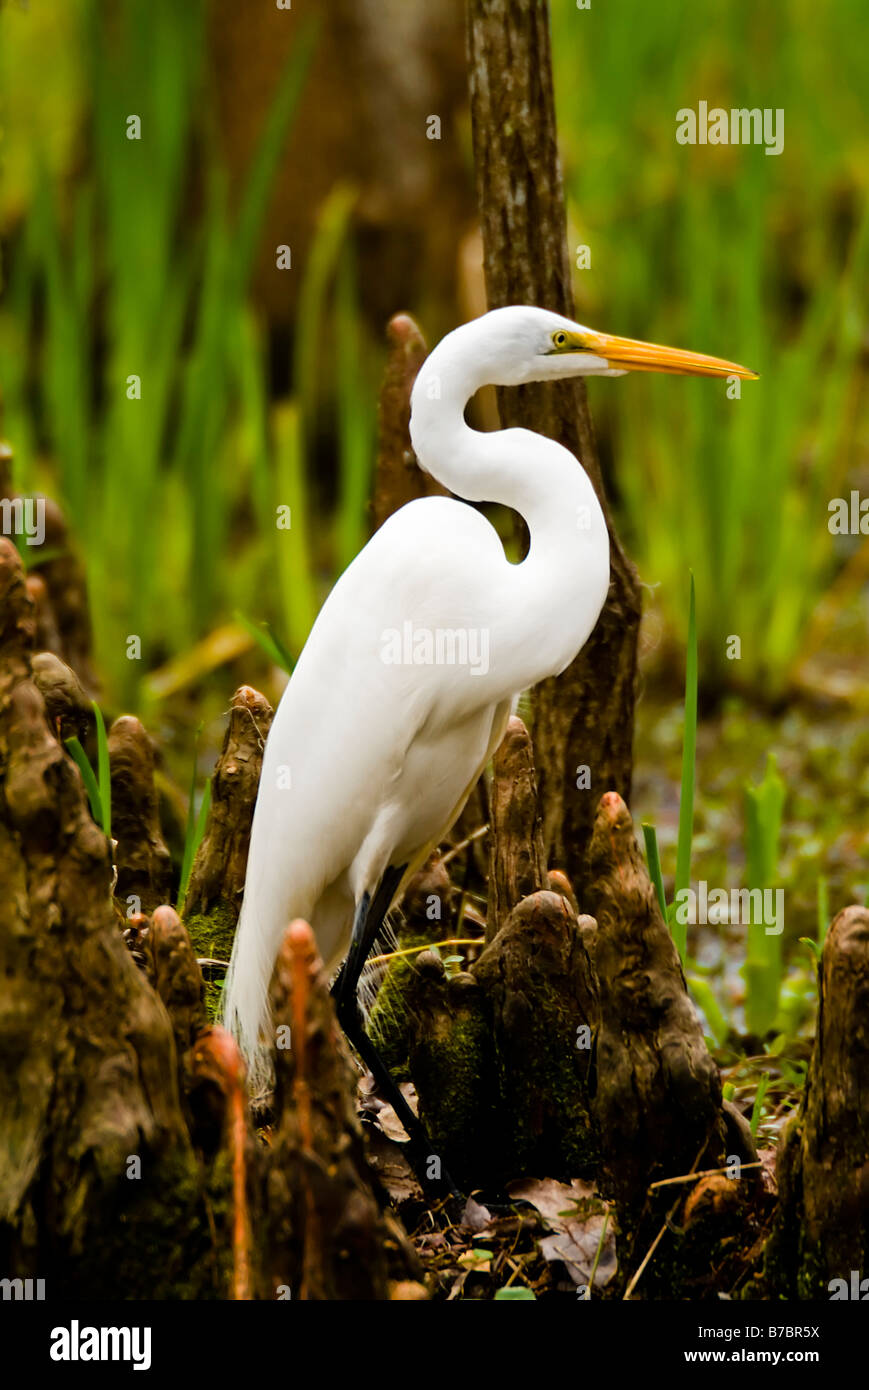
(156, 258)
(750, 256)
(126, 258)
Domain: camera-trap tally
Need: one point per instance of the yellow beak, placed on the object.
(627, 354)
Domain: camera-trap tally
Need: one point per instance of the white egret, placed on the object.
(417, 658)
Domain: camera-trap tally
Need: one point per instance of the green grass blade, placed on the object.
(767, 803)
(187, 858)
(763, 967)
(294, 567)
(265, 636)
(193, 839)
(689, 757)
(79, 757)
(653, 859)
(705, 997)
(332, 225)
(103, 771)
(757, 1108)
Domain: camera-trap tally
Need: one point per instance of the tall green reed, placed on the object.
(763, 966)
(731, 251)
(137, 270)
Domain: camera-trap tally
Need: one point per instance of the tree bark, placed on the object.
(500, 1054)
(540, 989)
(586, 715)
(99, 1186)
(452, 1062)
(822, 1224)
(217, 877)
(69, 711)
(399, 478)
(177, 977)
(517, 862)
(658, 1099)
(64, 622)
(144, 865)
(328, 1238)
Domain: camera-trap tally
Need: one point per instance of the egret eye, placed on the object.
(559, 339)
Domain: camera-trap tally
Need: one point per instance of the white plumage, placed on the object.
(374, 748)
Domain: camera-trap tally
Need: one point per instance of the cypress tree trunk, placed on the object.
(100, 1189)
(821, 1233)
(586, 715)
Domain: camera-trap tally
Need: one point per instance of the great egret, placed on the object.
(416, 660)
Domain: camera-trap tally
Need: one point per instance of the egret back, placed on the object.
(369, 752)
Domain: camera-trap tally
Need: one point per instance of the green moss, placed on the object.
(453, 1072)
(152, 1237)
(212, 935)
(388, 1019)
(546, 1096)
(793, 1266)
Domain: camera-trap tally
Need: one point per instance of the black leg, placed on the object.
(370, 913)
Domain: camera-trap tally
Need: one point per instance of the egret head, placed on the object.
(521, 344)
